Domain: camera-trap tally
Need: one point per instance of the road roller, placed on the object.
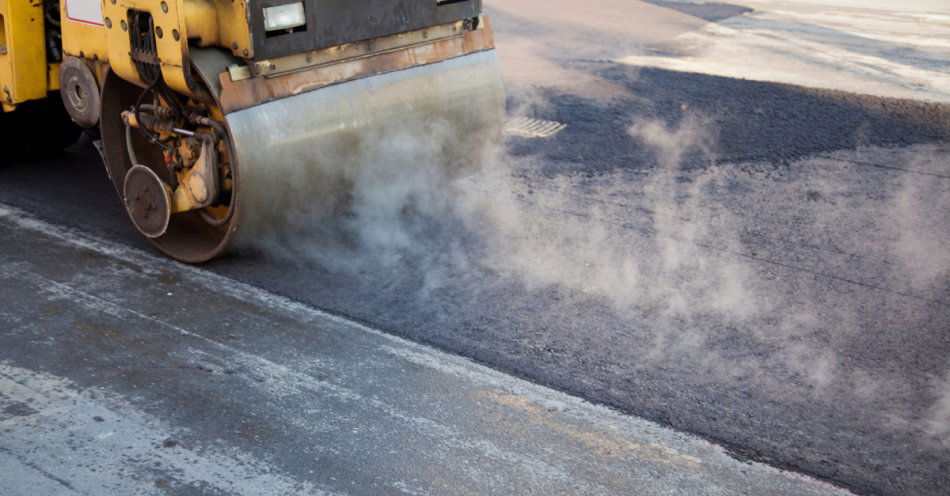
(214, 116)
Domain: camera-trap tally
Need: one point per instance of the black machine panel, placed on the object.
(334, 22)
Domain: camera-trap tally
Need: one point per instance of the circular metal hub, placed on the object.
(147, 200)
(79, 91)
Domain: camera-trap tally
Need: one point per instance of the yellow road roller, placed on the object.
(210, 111)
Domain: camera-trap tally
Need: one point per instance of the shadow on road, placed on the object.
(751, 120)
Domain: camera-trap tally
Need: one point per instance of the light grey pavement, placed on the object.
(123, 373)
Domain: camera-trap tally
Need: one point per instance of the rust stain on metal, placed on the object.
(238, 95)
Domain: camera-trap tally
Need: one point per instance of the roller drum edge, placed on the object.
(297, 155)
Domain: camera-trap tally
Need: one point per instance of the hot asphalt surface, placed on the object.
(812, 181)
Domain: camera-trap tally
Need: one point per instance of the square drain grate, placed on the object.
(527, 127)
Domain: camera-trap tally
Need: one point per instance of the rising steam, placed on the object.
(684, 245)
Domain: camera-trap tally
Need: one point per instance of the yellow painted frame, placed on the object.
(81, 38)
(24, 74)
(169, 19)
(221, 23)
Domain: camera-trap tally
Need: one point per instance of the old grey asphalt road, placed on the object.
(123, 373)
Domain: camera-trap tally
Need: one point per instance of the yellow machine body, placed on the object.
(214, 114)
(24, 73)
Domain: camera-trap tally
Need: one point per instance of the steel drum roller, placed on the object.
(295, 156)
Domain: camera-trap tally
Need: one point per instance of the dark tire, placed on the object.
(188, 237)
(38, 129)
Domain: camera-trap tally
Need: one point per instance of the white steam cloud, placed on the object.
(687, 244)
(937, 417)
